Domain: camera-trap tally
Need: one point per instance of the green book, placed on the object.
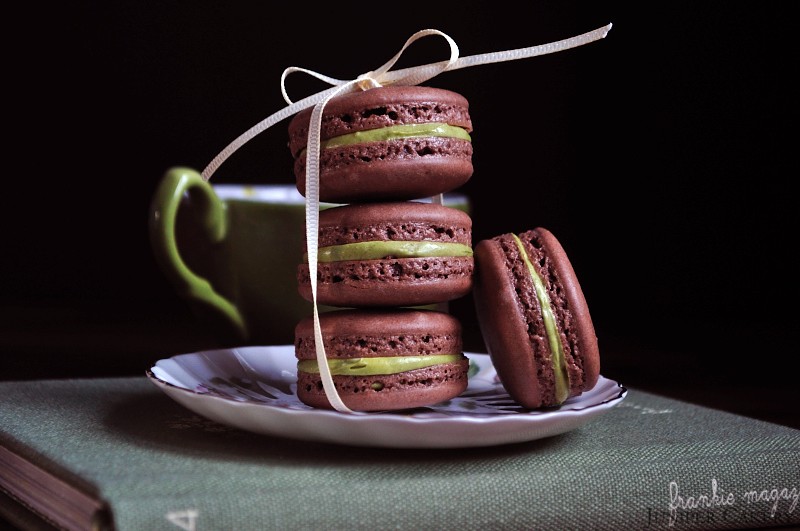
(118, 453)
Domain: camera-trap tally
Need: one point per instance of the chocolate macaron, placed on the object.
(382, 359)
(404, 253)
(387, 143)
(534, 318)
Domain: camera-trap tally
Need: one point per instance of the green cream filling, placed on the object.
(396, 132)
(381, 365)
(382, 249)
(553, 338)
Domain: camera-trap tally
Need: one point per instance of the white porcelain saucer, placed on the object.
(253, 388)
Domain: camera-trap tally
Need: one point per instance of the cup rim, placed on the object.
(268, 193)
(287, 193)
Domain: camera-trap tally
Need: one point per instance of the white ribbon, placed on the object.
(377, 78)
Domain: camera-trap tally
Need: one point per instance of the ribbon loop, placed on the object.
(290, 70)
(413, 77)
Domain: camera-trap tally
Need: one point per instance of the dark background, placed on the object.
(660, 156)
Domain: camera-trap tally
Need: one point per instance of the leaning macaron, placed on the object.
(405, 253)
(387, 143)
(534, 318)
(385, 359)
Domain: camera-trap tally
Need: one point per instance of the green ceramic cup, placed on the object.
(232, 250)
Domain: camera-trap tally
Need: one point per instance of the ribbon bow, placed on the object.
(377, 78)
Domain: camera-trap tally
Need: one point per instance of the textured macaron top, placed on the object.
(382, 107)
(394, 221)
(513, 325)
(369, 333)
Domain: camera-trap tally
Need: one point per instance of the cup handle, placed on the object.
(163, 215)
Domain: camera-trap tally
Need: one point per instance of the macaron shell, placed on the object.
(389, 282)
(400, 170)
(380, 332)
(587, 345)
(503, 326)
(382, 107)
(399, 221)
(411, 389)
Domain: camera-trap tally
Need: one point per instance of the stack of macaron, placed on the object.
(383, 251)
(386, 252)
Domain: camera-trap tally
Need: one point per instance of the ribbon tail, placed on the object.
(312, 247)
(262, 126)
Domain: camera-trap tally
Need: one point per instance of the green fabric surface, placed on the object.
(153, 460)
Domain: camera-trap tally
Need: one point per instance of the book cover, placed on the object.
(117, 453)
